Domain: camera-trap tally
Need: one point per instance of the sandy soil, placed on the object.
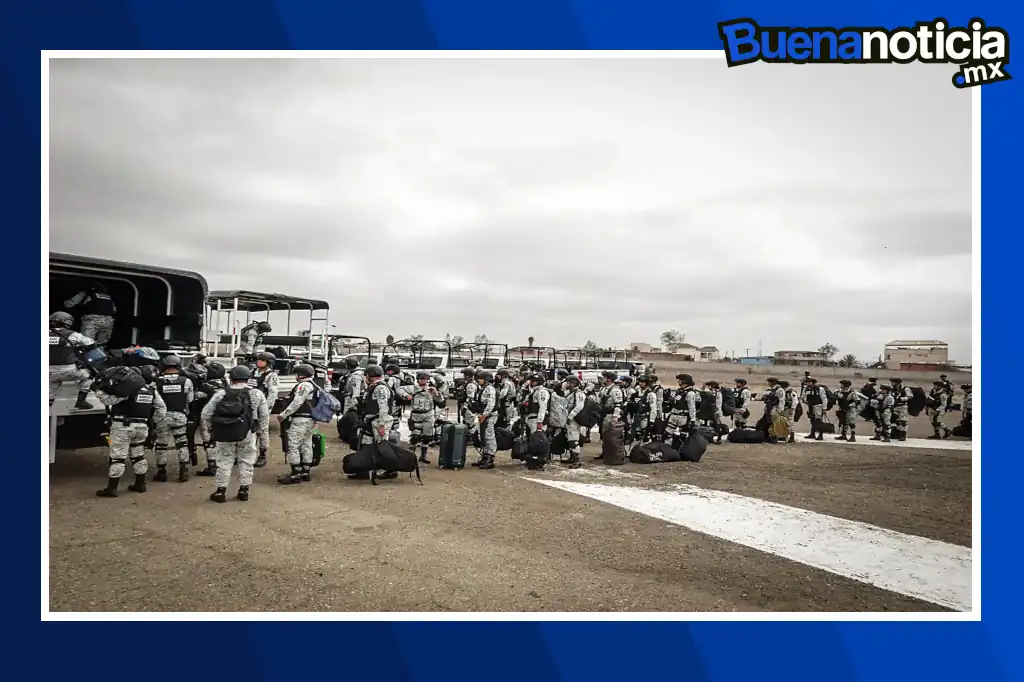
(483, 541)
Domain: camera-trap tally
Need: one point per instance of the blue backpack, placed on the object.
(326, 407)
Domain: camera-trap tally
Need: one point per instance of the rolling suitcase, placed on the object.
(454, 440)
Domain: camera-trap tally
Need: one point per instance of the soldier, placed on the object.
(393, 378)
(177, 392)
(575, 399)
(98, 312)
(250, 336)
(900, 412)
(950, 390)
(296, 420)
(849, 403)
(965, 419)
(658, 426)
(718, 422)
(871, 388)
(884, 404)
(129, 427)
(355, 382)
(424, 399)
(742, 411)
(485, 411)
(537, 403)
(939, 400)
(465, 395)
(215, 373)
(265, 379)
(508, 412)
(647, 409)
(375, 411)
(683, 413)
(232, 417)
(790, 401)
(64, 360)
(816, 399)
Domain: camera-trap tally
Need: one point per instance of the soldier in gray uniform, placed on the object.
(940, 400)
(177, 391)
(297, 420)
(249, 337)
(238, 418)
(883, 404)
(967, 407)
(849, 402)
(643, 421)
(98, 312)
(422, 412)
(129, 427)
(575, 398)
(508, 409)
(658, 430)
(742, 411)
(537, 404)
(682, 414)
(355, 382)
(266, 380)
(775, 400)
(467, 396)
(64, 361)
(816, 399)
(611, 399)
(790, 402)
(901, 396)
(375, 410)
(485, 412)
(393, 378)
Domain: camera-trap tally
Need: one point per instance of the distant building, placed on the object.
(686, 351)
(640, 347)
(708, 354)
(761, 361)
(800, 358)
(924, 355)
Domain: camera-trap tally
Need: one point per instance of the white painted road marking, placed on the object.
(908, 443)
(913, 566)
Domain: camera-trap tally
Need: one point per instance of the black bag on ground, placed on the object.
(826, 427)
(963, 429)
(707, 407)
(746, 436)
(917, 402)
(764, 424)
(721, 429)
(653, 453)
(454, 443)
(693, 447)
(590, 414)
(540, 445)
(520, 447)
(559, 443)
(232, 417)
(504, 438)
(707, 431)
(613, 447)
(348, 425)
(381, 456)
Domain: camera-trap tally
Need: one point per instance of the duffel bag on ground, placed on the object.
(653, 453)
(383, 456)
(613, 447)
(693, 447)
(504, 438)
(747, 436)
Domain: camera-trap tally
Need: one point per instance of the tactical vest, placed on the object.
(813, 396)
(306, 408)
(138, 408)
(61, 351)
(99, 303)
(532, 404)
(172, 390)
(260, 382)
(369, 407)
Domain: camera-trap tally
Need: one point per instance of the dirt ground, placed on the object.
(484, 540)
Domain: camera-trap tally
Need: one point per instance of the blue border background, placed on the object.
(513, 651)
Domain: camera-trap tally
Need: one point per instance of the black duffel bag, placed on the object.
(654, 453)
(382, 456)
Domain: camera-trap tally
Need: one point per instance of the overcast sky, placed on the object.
(567, 199)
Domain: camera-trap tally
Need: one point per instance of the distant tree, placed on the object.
(530, 341)
(416, 337)
(672, 339)
(481, 338)
(848, 360)
(590, 345)
(389, 339)
(828, 350)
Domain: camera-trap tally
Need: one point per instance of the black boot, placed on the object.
(935, 436)
(947, 433)
(294, 477)
(219, 495)
(810, 436)
(140, 484)
(821, 436)
(182, 472)
(792, 438)
(82, 403)
(423, 456)
(161, 473)
(193, 457)
(574, 460)
(110, 490)
(261, 460)
(243, 493)
(875, 437)
(841, 436)
(852, 438)
(487, 462)
(210, 470)
(306, 474)
(885, 439)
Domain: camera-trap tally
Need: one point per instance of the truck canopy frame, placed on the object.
(235, 302)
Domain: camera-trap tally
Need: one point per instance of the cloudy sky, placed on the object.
(567, 199)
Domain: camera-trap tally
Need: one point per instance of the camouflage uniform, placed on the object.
(97, 326)
(884, 403)
(900, 412)
(488, 402)
(742, 410)
(127, 439)
(298, 414)
(61, 343)
(537, 410)
(574, 400)
(422, 415)
(381, 420)
(849, 402)
(243, 452)
(683, 412)
(172, 430)
(941, 395)
(507, 400)
(355, 384)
